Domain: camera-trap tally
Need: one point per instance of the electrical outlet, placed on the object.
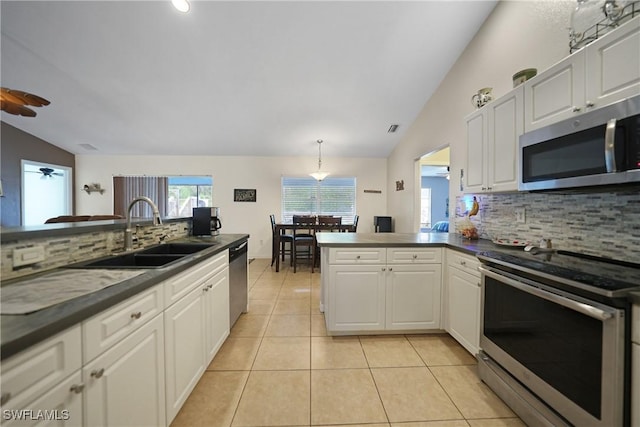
(28, 256)
(520, 215)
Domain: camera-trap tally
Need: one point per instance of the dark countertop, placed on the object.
(18, 332)
(453, 241)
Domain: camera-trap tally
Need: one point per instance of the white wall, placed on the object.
(261, 173)
(517, 35)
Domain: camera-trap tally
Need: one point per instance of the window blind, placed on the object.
(331, 196)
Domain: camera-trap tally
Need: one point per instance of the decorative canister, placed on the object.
(482, 97)
(523, 75)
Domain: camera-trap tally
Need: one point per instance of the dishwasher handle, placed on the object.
(237, 251)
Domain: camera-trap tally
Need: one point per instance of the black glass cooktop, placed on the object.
(607, 275)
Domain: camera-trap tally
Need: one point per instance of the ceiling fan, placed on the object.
(46, 172)
(15, 101)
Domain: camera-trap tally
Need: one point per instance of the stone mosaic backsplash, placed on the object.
(64, 250)
(595, 222)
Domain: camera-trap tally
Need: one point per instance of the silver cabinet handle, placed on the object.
(415, 256)
(6, 396)
(384, 269)
(97, 373)
(576, 109)
(77, 388)
(136, 315)
(357, 256)
(462, 262)
(210, 286)
(206, 289)
(590, 104)
(390, 268)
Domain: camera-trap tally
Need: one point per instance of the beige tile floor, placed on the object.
(279, 368)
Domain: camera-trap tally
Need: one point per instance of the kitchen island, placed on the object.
(381, 283)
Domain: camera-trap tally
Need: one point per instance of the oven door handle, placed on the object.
(586, 309)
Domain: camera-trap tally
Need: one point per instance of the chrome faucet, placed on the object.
(128, 233)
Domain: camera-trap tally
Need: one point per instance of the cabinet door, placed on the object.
(184, 348)
(125, 385)
(216, 300)
(556, 94)
(613, 65)
(64, 406)
(463, 308)
(356, 298)
(475, 175)
(505, 125)
(635, 384)
(413, 296)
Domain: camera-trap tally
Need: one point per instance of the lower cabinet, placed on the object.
(413, 297)
(400, 293)
(463, 300)
(125, 386)
(184, 349)
(216, 322)
(635, 367)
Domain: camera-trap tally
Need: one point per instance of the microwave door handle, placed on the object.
(610, 146)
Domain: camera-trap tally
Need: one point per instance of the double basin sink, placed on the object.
(157, 256)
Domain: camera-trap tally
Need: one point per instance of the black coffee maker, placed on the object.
(206, 221)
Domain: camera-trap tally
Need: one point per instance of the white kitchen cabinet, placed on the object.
(216, 302)
(356, 298)
(492, 144)
(125, 386)
(413, 296)
(110, 326)
(463, 300)
(400, 292)
(601, 73)
(184, 348)
(36, 372)
(63, 404)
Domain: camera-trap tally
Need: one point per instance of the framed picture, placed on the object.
(244, 195)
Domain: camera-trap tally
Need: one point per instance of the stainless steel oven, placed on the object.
(554, 349)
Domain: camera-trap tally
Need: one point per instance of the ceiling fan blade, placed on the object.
(27, 98)
(16, 109)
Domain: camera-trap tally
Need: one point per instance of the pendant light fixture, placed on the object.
(319, 175)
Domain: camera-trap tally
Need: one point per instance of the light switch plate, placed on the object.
(520, 215)
(28, 256)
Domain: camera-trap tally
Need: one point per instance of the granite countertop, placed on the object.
(453, 241)
(18, 332)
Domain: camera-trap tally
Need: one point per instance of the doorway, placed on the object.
(434, 191)
(46, 191)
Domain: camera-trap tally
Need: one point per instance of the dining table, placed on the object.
(281, 228)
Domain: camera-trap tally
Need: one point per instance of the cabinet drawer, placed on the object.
(414, 255)
(463, 262)
(180, 285)
(357, 255)
(110, 326)
(31, 373)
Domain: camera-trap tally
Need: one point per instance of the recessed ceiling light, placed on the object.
(392, 128)
(181, 5)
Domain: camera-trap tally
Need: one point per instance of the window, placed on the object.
(331, 196)
(175, 196)
(425, 208)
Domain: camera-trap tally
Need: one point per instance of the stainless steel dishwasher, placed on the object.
(238, 297)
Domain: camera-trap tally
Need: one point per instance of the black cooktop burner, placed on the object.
(603, 276)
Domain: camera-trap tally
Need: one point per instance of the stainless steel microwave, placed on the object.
(601, 147)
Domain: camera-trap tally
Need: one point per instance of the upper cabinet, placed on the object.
(603, 72)
(492, 142)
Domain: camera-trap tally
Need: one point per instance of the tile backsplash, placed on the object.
(594, 222)
(64, 250)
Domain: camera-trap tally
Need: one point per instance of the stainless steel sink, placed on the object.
(176, 248)
(131, 260)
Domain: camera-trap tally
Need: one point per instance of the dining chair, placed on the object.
(304, 237)
(330, 222)
(284, 239)
(355, 223)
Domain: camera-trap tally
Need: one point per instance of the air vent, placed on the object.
(88, 147)
(392, 128)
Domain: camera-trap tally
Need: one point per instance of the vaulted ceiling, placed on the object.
(263, 78)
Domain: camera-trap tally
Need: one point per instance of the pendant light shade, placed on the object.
(319, 175)
(182, 5)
